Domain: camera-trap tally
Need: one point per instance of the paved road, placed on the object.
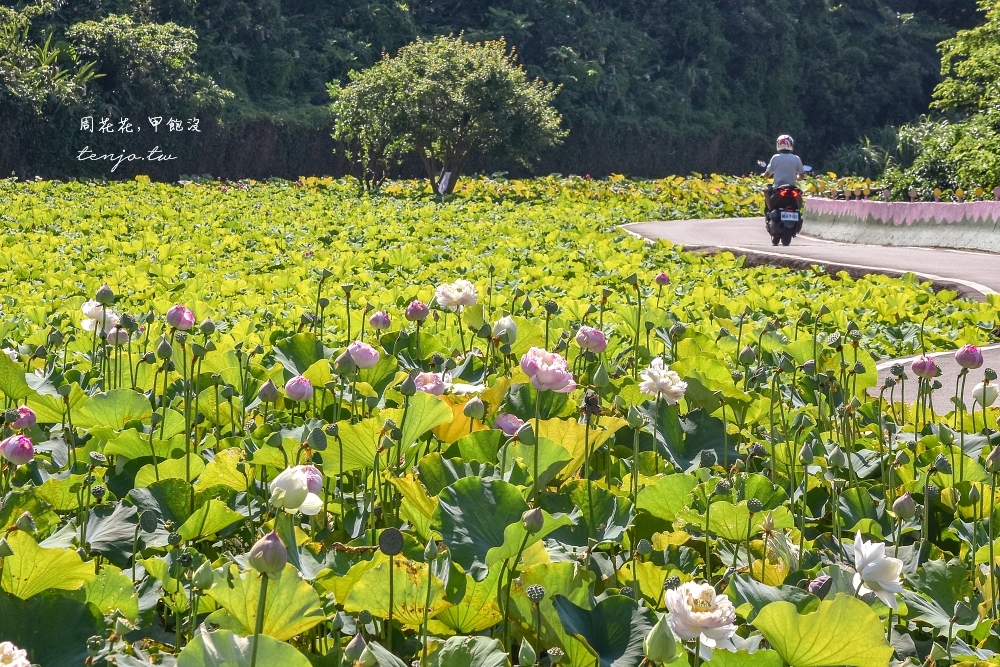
(972, 274)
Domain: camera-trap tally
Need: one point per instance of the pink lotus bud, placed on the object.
(430, 383)
(180, 317)
(508, 423)
(417, 311)
(363, 354)
(17, 449)
(969, 356)
(591, 339)
(299, 389)
(924, 367)
(379, 320)
(314, 478)
(25, 418)
(269, 555)
(662, 279)
(117, 337)
(547, 371)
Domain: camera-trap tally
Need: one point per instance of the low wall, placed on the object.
(969, 225)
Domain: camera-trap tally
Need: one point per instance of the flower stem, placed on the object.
(259, 621)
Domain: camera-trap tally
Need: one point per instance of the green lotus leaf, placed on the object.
(477, 611)
(409, 592)
(223, 648)
(613, 629)
(223, 470)
(354, 448)
(169, 499)
(52, 628)
(759, 658)
(291, 606)
(667, 497)
(470, 652)
(842, 631)
(751, 596)
(734, 522)
(187, 467)
(603, 515)
(111, 591)
(207, 520)
(12, 382)
(552, 458)
(299, 352)
(33, 569)
(113, 410)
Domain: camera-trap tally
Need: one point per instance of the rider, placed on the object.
(785, 166)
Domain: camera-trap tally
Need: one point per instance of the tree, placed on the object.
(971, 63)
(370, 125)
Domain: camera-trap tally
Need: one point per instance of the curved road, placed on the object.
(972, 274)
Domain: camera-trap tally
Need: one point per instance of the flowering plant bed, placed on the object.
(263, 424)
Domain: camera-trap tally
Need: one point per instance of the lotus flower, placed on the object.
(12, 656)
(924, 367)
(697, 611)
(876, 572)
(25, 419)
(547, 371)
(97, 315)
(180, 317)
(430, 383)
(591, 339)
(299, 389)
(380, 320)
(661, 382)
(314, 478)
(268, 555)
(363, 354)
(290, 492)
(457, 295)
(508, 423)
(969, 356)
(985, 394)
(18, 449)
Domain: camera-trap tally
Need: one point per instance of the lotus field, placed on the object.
(280, 424)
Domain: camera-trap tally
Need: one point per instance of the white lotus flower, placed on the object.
(505, 330)
(94, 314)
(290, 492)
(92, 310)
(457, 295)
(697, 611)
(876, 572)
(11, 353)
(12, 656)
(985, 394)
(660, 381)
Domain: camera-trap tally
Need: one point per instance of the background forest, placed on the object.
(649, 87)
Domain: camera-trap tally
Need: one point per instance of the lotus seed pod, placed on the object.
(644, 547)
(174, 539)
(723, 487)
(26, 523)
(809, 368)
(5, 550)
(942, 465)
(408, 387)
(185, 559)
(660, 645)
(671, 582)
(551, 307)
(526, 434)
(677, 331)
(758, 450)
(269, 555)
(365, 617)
(755, 505)
(207, 327)
(896, 369)
(533, 520)
(535, 592)
(317, 439)
(148, 521)
(627, 591)
(708, 458)
(990, 374)
(390, 542)
(556, 655)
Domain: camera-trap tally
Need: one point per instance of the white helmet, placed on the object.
(786, 143)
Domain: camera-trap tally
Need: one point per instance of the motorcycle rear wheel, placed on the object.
(786, 238)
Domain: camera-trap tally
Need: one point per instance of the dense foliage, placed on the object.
(445, 99)
(278, 424)
(647, 87)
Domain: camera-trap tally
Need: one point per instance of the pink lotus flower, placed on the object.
(417, 311)
(547, 371)
(117, 337)
(591, 339)
(25, 418)
(180, 317)
(662, 279)
(924, 367)
(363, 354)
(508, 423)
(18, 449)
(430, 383)
(969, 356)
(380, 320)
(299, 389)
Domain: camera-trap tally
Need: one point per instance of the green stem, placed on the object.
(259, 621)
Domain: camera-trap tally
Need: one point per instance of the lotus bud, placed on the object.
(269, 556)
(380, 320)
(505, 330)
(767, 525)
(677, 331)
(203, 577)
(363, 354)
(180, 317)
(945, 435)
(806, 454)
(837, 458)
(747, 356)
(18, 449)
(660, 645)
(662, 279)
(207, 327)
(299, 389)
(985, 394)
(969, 356)
(163, 349)
(809, 368)
(431, 550)
(474, 409)
(975, 495)
(924, 367)
(993, 461)
(601, 379)
(533, 520)
(24, 418)
(344, 364)
(635, 419)
(268, 392)
(105, 296)
(942, 465)
(526, 654)
(408, 387)
(821, 585)
(56, 338)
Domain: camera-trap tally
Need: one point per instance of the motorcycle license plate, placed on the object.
(789, 216)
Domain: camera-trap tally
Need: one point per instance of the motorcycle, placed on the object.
(784, 221)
